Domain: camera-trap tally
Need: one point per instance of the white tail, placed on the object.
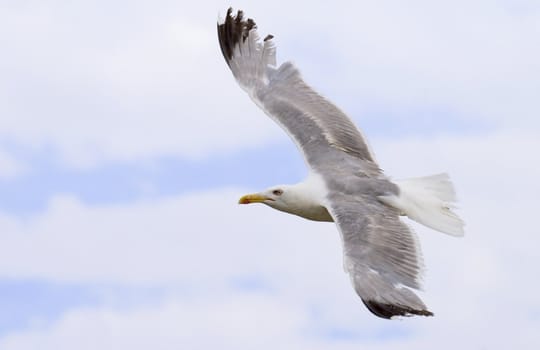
(428, 200)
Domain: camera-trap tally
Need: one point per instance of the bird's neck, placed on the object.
(307, 199)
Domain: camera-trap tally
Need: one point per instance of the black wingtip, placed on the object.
(232, 30)
(387, 311)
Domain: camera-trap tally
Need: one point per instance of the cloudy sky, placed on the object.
(125, 144)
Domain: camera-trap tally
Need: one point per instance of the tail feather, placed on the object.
(428, 200)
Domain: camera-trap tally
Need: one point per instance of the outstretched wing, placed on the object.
(314, 123)
(381, 255)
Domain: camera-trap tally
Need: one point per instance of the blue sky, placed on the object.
(125, 144)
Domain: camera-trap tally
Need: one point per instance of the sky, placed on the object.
(125, 144)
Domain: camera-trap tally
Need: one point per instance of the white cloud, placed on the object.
(142, 84)
(240, 322)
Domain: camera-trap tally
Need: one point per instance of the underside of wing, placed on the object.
(314, 123)
(381, 255)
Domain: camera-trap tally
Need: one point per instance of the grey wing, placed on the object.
(315, 124)
(381, 255)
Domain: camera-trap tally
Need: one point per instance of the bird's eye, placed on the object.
(277, 192)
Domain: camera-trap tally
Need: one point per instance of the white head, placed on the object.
(299, 199)
(281, 197)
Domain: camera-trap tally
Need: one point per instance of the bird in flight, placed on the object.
(345, 185)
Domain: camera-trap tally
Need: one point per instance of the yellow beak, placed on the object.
(252, 198)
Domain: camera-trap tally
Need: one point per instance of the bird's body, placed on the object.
(345, 185)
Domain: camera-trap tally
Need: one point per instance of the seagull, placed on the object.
(345, 185)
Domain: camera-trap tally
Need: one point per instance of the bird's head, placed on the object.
(302, 199)
(276, 197)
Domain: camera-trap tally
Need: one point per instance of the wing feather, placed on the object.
(381, 255)
(314, 123)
